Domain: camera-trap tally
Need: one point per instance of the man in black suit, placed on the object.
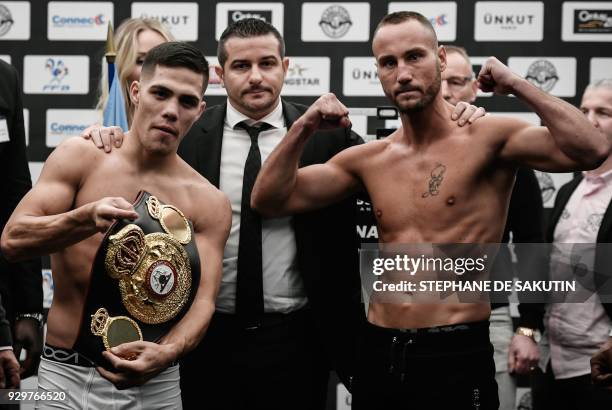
(271, 350)
(20, 283)
(275, 334)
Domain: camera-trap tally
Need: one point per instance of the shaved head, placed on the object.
(401, 16)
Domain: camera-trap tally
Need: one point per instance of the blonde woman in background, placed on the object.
(133, 39)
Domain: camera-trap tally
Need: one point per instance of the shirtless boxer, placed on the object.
(436, 355)
(74, 203)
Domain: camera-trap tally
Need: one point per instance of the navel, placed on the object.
(450, 201)
(379, 213)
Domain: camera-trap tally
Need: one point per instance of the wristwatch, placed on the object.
(34, 316)
(534, 334)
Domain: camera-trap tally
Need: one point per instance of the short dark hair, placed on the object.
(399, 17)
(247, 28)
(176, 54)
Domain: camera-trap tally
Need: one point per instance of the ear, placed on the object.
(285, 64)
(220, 73)
(474, 86)
(201, 108)
(442, 57)
(135, 92)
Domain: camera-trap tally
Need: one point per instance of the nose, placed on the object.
(592, 118)
(255, 77)
(445, 90)
(170, 112)
(404, 75)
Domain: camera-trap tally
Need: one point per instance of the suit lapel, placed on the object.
(291, 113)
(564, 196)
(209, 148)
(606, 225)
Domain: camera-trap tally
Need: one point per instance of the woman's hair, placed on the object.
(126, 43)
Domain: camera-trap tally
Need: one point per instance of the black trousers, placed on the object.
(277, 366)
(575, 393)
(449, 367)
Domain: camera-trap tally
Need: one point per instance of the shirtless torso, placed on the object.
(431, 181)
(82, 191)
(442, 192)
(176, 184)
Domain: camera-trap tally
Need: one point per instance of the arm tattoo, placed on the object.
(437, 174)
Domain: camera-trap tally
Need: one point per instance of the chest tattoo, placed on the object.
(436, 177)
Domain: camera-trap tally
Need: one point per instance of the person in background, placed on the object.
(514, 352)
(574, 332)
(20, 283)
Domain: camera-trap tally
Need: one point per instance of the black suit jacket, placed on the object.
(20, 283)
(603, 260)
(326, 239)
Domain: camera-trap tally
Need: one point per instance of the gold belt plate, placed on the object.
(153, 271)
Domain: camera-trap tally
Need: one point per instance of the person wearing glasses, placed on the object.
(515, 353)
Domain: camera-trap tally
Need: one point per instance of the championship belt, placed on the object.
(144, 278)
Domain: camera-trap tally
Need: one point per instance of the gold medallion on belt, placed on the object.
(153, 270)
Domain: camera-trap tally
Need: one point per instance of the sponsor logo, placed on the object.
(307, 76)
(55, 74)
(367, 231)
(6, 20)
(371, 76)
(364, 206)
(168, 20)
(556, 75)
(542, 74)
(181, 18)
(90, 19)
(296, 77)
(439, 21)
(587, 21)
(58, 71)
(14, 20)
(228, 13)
(442, 15)
(493, 24)
(237, 15)
(335, 21)
(67, 123)
(508, 21)
(70, 21)
(360, 77)
(593, 21)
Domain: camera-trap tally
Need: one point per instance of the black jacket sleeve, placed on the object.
(21, 283)
(525, 220)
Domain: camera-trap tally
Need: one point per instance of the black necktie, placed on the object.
(249, 287)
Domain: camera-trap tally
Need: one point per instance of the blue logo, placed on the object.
(59, 21)
(58, 71)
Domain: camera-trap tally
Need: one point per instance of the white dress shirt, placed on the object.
(283, 287)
